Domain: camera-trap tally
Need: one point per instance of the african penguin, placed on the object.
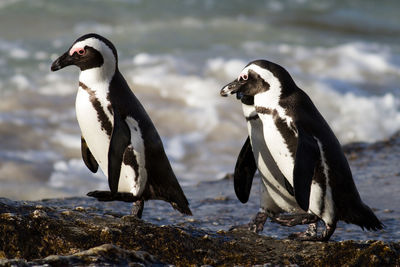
(117, 133)
(304, 171)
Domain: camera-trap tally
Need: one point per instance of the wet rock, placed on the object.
(57, 235)
(106, 254)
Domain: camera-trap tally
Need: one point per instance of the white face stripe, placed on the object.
(96, 44)
(265, 74)
(270, 98)
(107, 70)
(273, 93)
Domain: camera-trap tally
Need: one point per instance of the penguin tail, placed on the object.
(364, 217)
(182, 208)
(177, 199)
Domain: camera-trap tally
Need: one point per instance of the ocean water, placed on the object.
(176, 55)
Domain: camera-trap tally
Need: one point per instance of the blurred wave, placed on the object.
(176, 55)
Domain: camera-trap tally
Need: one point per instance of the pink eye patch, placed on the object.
(78, 50)
(243, 77)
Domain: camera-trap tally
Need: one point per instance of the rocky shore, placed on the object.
(39, 233)
(81, 231)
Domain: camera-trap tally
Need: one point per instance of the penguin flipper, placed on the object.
(120, 139)
(87, 157)
(307, 155)
(245, 169)
(106, 196)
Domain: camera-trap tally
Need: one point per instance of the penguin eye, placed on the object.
(81, 52)
(243, 77)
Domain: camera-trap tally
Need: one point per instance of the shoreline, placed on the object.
(39, 233)
(82, 231)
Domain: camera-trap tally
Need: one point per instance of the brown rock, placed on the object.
(33, 235)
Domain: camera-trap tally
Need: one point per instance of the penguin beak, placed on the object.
(62, 62)
(233, 88)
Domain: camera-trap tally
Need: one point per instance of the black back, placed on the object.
(344, 192)
(162, 183)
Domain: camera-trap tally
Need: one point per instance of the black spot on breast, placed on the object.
(263, 110)
(102, 117)
(254, 117)
(109, 106)
(130, 160)
(287, 132)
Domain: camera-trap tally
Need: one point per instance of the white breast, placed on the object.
(98, 140)
(273, 195)
(278, 147)
(275, 143)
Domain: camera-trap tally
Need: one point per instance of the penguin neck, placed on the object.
(99, 75)
(268, 99)
(268, 104)
(248, 110)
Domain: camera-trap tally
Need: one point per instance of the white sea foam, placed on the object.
(67, 140)
(225, 69)
(41, 55)
(19, 53)
(14, 50)
(351, 62)
(328, 75)
(20, 81)
(37, 156)
(58, 84)
(75, 178)
(170, 77)
(356, 117)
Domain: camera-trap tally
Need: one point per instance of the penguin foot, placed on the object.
(311, 233)
(255, 225)
(295, 219)
(108, 196)
(137, 208)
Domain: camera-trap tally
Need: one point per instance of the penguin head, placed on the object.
(257, 77)
(90, 51)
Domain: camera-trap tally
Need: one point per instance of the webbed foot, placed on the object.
(311, 233)
(295, 219)
(137, 208)
(255, 225)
